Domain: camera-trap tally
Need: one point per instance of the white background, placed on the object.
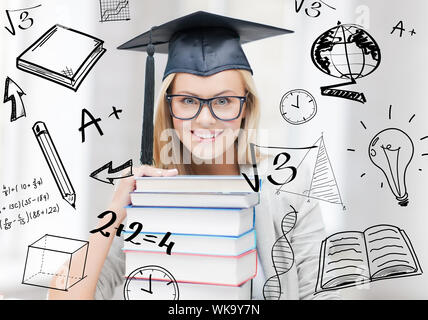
(280, 64)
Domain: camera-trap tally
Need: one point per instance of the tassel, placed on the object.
(146, 155)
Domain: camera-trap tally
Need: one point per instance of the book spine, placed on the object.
(38, 70)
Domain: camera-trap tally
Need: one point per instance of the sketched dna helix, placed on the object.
(283, 262)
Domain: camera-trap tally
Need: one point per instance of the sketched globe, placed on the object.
(346, 51)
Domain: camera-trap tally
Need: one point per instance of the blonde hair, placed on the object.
(163, 123)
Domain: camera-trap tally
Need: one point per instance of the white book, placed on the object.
(194, 183)
(193, 220)
(193, 243)
(196, 199)
(191, 291)
(193, 268)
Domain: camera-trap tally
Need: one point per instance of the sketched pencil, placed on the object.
(54, 162)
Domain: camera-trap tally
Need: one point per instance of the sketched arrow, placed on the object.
(106, 173)
(12, 92)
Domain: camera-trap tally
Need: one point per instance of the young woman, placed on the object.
(213, 117)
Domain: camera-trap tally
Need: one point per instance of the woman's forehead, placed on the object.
(221, 82)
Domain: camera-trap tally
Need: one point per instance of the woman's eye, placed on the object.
(188, 101)
(221, 101)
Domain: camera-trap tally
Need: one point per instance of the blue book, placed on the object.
(194, 183)
(196, 199)
(196, 268)
(194, 220)
(199, 244)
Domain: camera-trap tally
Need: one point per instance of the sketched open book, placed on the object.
(62, 55)
(352, 258)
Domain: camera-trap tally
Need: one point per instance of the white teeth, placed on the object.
(206, 136)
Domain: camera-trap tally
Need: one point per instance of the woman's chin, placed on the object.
(205, 154)
(203, 157)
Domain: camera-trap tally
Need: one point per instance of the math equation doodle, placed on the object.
(282, 258)
(24, 203)
(55, 262)
(347, 52)
(323, 185)
(137, 227)
(114, 10)
(352, 258)
(314, 8)
(25, 20)
(281, 160)
(286, 172)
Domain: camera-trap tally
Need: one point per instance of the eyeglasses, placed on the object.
(225, 108)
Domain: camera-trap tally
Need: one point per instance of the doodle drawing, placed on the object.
(62, 55)
(282, 258)
(400, 26)
(114, 10)
(298, 106)
(107, 174)
(323, 185)
(353, 258)
(151, 283)
(25, 19)
(313, 9)
(347, 52)
(53, 256)
(13, 93)
(391, 150)
(54, 162)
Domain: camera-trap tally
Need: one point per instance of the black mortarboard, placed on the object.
(200, 43)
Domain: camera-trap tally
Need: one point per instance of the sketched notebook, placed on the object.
(62, 55)
(353, 258)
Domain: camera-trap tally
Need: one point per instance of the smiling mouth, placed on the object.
(206, 136)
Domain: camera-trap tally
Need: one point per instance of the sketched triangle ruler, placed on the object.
(323, 184)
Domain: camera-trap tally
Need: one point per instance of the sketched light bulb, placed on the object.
(391, 150)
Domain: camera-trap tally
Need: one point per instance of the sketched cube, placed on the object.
(55, 262)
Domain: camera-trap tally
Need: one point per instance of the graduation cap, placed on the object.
(200, 43)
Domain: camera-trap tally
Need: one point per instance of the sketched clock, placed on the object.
(298, 106)
(150, 283)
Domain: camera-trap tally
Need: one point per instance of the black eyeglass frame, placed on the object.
(202, 102)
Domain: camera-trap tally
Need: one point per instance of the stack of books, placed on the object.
(199, 230)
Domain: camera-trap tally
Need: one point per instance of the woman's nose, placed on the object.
(205, 116)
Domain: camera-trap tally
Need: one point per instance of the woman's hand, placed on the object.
(122, 198)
